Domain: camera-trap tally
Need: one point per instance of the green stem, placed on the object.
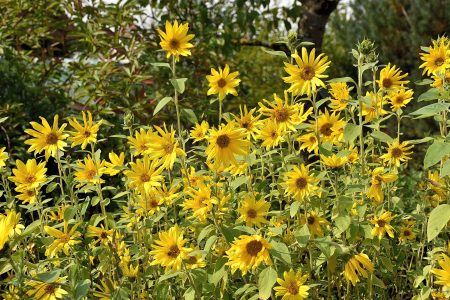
(360, 105)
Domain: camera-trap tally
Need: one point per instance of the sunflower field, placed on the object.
(312, 193)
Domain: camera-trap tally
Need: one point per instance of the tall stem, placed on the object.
(360, 105)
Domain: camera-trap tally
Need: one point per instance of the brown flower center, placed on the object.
(301, 183)
(221, 83)
(173, 251)
(292, 288)
(104, 235)
(154, 203)
(87, 134)
(245, 125)
(65, 238)
(273, 134)
(281, 115)
(50, 289)
(145, 177)
(168, 148)
(406, 232)
(192, 260)
(381, 223)
(254, 247)
(174, 44)
(51, 138)
(387, 83)
(396, 152)
(251, 213)
(30, 179)
(325, 129)
(399, 100)
(307, 73)
(439, 61)
(311, 220)
(223, 141)
(30, 193)
(90, 174)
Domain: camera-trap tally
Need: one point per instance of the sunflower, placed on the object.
(333, 161)
(443, 275)
(307, 75)
(340, 94)
(148, 203)
(382, 225)
(247, 121)
(436, 59)
(175, 41)
(397, 153)
(101, 235)
(292, 286)
(436, 185)
(438, 80)
(222, 82)
(237, 169)
(84, 134)
(200, 202)
(309, 142)
(391, 78)
(6, 228)
(46, 290)
(314, 222)
(225, 143)
(358, 265)
(46, 138)
(330, 127)
(3, 157)
(196, 179)
(253, 212)
(400, 98)
(375, 109)
(379, 176)
(144, 174)
(164, 147)
(89, 170)
(407, 234)
(168, 250)
(248, 252)
(28, 195)
(30, 175)
(64, 240)
(285, 115)
(168, 194)
(116, 163)
(195, 259)
(271, 134)
(199, 131)
(104, 290)
(299, 183)
(139, 144)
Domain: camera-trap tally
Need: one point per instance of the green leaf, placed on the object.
(49, 277)
(238, 182)
(82, 289)
(342, 223)
(179, 84)
(210, 242)
(423, 82)
(439, 217)
(205, 232)
(167, 276)
(161, 65)
(351, 131)
(51, 187)
(30, 228)
(302, 236)
(189, 294)
(266, 281)
(342, 79)
(445, 168)
(431, 94)
(69, 212)
(294, 208)
(163, 102)
(190, 115)
(219, 271)
(275, 53)
(381, 136)
(280, 250)
(435, 153)
(420, 141)
(430, 110)
(118, 195)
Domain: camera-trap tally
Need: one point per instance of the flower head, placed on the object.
(85, 134)
(222, 82)
(358, 265)
(397, 153)
(175, 41)
(382, 225)
(299, 183)
(292, 286)
(391, 78)
(252, 211)
(436, 59)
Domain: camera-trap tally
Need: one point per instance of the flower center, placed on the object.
(65, 238)
(301, 183)
(51, 139)
(245, 125)
(221, 83)
(192, 260)
(90, 174)
(254, 247)
(50, 289)
(311, 220)
(439, 61)
(312, 139)
(104, 235)
(154, 203)
(145, 177)
(381, 223)
(223, 141)
(174, 44)
(251, 213)
(87, 134)
(273, 134)
(406, 232)
(292, 288)
(168, 148)
(387, 83)
(281, 115)
(399, 100)
(30, 193)
(173, 251)
(325, 129)
(396, 152)
(307, 73)
(30, 179)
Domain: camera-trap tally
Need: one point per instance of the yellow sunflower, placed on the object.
(292, 286)
(3, 157)
(247, 121)
(30, 175)
(225, 144)
(195, 261)
(144, 174)
(333, 161)
(169, 251)
(307, 75)
(148, 203)
(48, 291)
(64, 240)
(314, 222)
(382, 225)
(391, 78)
(340, 94)
(285, 115)
(407, 234)
(358, 265)
(139, 144)
(6, 228)
(116, 163)
(85, 134)
(400, 98)
(101, 235)
(379, 176)
(200, 202)
(223, 82)
(375, 109)
(309, 142)
(199, 131)
(299, 183)
(443, 275)
(253, 212)
(248, 252)
(438, 80)
(271, 134)
(397, 153)
(28, 195)
(46, 138)
(89, 170)
(436, 59)
(330, 127)
(164, 147)
(175, 41)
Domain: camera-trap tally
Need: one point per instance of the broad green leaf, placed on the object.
(342, 223)
(121, 194)
(163, 102)
(238, 182)
(430, 110)
(439, 217)
(49, 277)
(205, 232)
(169, 275)
(280, 250)
(294, 208)
(69, 212)
(420, 141)
(161, 65)
(423, 82)
(189, 294)
(275, 53)
(342, 79)
(431, 94)
(302, 235)
(435, 153)
(351, 131)
(445, 168)
(82, 289)
(190, 115)
(266, 281)
(219, 271)
(381, 136)
(179, 84)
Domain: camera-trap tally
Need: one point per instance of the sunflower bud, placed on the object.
(292, 39)
(128, 119)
